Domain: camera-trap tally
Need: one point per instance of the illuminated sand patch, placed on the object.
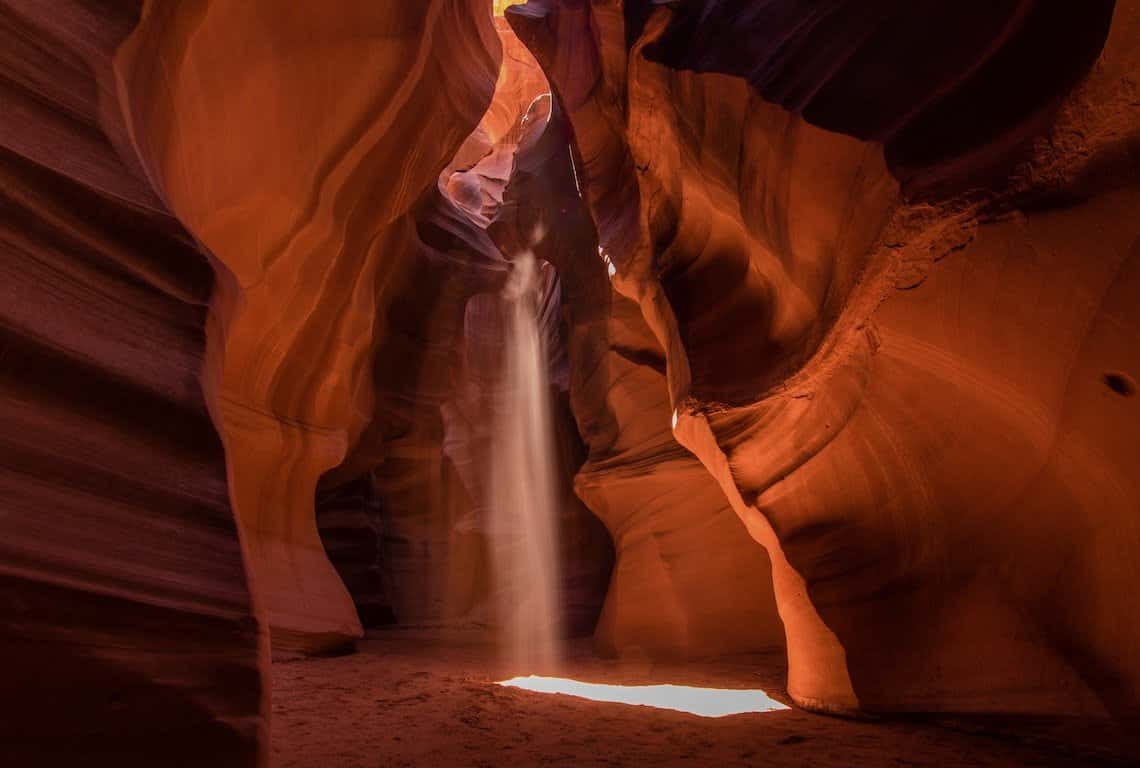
(706, 702)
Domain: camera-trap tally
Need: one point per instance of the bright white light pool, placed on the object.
(706, 702)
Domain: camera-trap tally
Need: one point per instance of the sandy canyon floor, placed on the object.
(412, 699)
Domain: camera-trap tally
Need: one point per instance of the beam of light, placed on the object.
(706, 702)
(522, 498)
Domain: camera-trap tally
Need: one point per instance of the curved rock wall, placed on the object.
(886, 329)
(858, 279)
(127, 625)
(687, 581)
(430, 436)
(350, 521)
(293, 143)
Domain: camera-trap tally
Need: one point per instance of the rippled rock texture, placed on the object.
(887, 254)
(202, 243)
(350, 519)
(841, 319)
(294, 144)
(667, 596)
(436, 374)
(127, 625)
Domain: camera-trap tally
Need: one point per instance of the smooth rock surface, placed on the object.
(940, 475)
(128, 628)
(334, 125)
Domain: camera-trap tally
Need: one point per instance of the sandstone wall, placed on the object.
(885, 250)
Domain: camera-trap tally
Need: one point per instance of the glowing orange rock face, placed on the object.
(807, 254)
(667, 597)
(933, 470)
(301, 189)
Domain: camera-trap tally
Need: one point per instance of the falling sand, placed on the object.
(522, 504)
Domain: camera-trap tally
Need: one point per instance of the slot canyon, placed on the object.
(569, 382)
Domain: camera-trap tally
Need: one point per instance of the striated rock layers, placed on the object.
(844, 325)
(688, 581)
(293, 143)
(210, 210)
(436, 375)
(888, 255)
(128, 631)
(350, 521)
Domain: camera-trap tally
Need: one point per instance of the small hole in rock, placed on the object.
(1120, 383)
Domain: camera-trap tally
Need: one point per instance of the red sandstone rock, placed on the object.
(437, 373)
(128, 631)
(873, 302)
(334, 124)
(350, 520)
(667, 595)
(921, 466)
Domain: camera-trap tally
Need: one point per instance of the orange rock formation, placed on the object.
(841, 318)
